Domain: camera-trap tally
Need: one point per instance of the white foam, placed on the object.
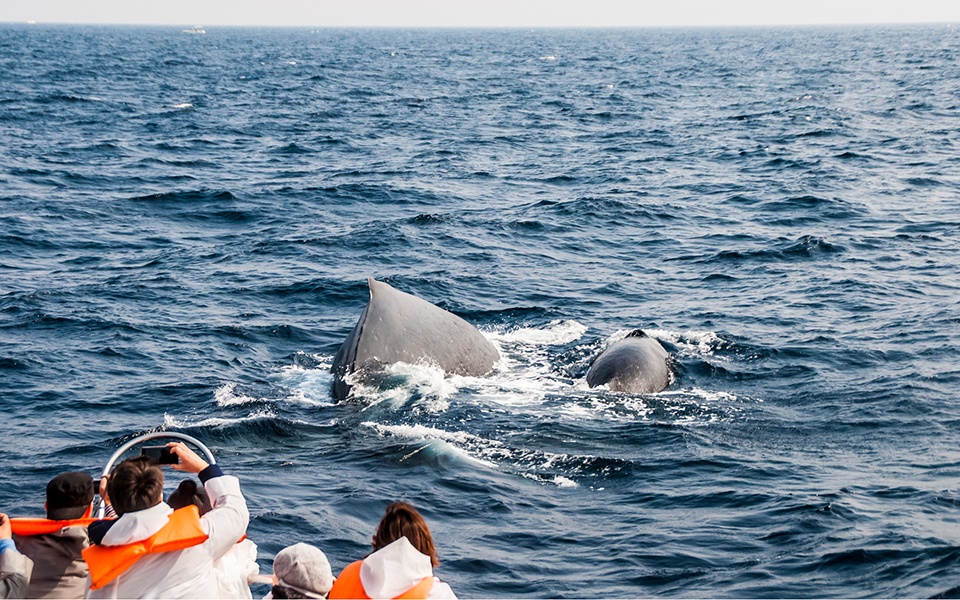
(170, 421)
(226, 395)
(524, 375)
(559, 480)
(308, 386)
(555, 333)
(703, 343)
(711, 396)
(427, 381)
(526, 381)
(576, 411)
(183, 105)
(627, 408)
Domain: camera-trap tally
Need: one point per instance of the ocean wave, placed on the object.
(559, 469)
(171, 422)
(192, 240)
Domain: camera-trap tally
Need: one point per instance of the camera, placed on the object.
(160, 455)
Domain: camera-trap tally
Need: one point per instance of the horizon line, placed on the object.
(946, 23)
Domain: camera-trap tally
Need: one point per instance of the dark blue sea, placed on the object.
(187, 223)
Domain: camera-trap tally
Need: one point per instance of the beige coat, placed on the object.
(58, 567)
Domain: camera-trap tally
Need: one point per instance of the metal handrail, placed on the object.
(147, 437)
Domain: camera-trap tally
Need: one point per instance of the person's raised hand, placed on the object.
(190, 461)
(5, 530)
(103, 489)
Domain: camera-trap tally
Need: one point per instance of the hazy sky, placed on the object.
(480, 13)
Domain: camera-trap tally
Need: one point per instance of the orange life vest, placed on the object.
(349, 587)
(25, 526)
(106, 563)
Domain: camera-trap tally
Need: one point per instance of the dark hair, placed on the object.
(135, 484)
(402, 520)
(281, 591)
(187, 493)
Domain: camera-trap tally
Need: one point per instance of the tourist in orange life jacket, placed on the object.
(152, 551)
(401, 565)
(14, 567)
(55, 544)
(235, 568)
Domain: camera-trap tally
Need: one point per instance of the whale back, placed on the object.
(399, 327)
(636, 364)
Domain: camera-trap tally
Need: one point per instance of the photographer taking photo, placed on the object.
(153, 551)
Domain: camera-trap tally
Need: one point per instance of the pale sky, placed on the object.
(480, 13)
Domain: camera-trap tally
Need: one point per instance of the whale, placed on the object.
(399, 327)
(637, 364)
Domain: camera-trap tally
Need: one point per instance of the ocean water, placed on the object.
(187, 223)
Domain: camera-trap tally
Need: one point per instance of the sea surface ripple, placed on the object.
(187, 223)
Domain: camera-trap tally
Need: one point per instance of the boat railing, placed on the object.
(157, 435)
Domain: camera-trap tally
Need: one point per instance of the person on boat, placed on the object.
(15, 568)
(234, 569)
(401, 565)
(108, 512)
(152, 551)
(301, 571)
(55, 544)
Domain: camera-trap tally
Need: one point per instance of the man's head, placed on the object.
(135, 484)
(69, 495)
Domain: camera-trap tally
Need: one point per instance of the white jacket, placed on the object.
(235, 568)
(187, 573)
(397, 567)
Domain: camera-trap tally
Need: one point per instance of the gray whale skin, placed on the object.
(637, 364)
(399, 327)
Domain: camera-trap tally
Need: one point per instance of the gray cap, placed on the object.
(304, 568)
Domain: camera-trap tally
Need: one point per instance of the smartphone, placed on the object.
(160, 455)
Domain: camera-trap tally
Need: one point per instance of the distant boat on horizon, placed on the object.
(195, 29)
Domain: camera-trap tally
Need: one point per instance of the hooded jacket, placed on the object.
(187, 573)
(59, 570)
(390, 572)
(235, 568)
